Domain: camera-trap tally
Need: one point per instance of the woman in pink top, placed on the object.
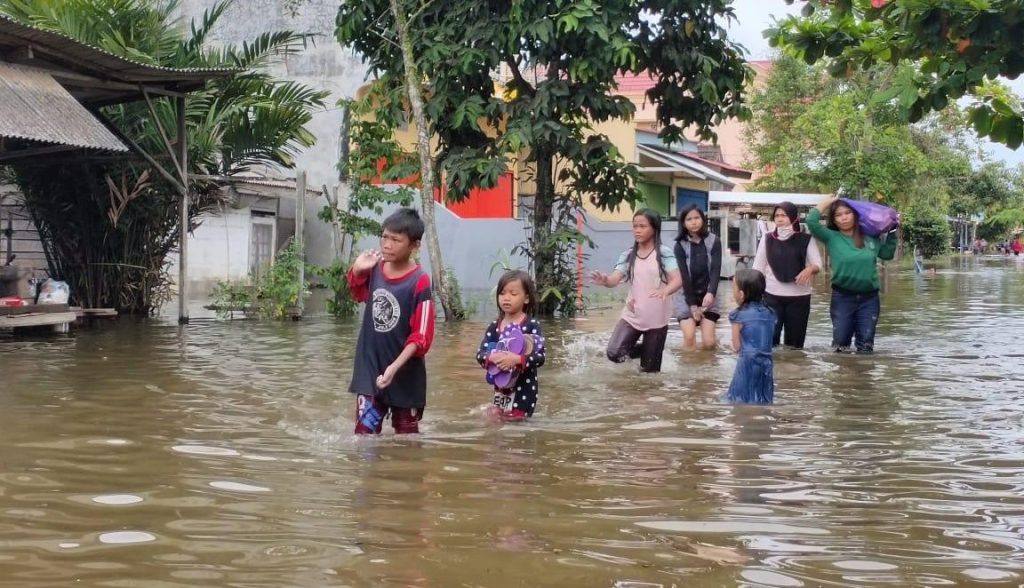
(653, 276)
(789, 259)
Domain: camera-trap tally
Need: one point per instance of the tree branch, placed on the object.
(521, 82)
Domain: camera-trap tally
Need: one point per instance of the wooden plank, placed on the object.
(19, 246)
(36, 320)
(33, 309)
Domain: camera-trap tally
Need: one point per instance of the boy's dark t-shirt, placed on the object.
(398, 311)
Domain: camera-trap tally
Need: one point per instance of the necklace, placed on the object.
(638, 256)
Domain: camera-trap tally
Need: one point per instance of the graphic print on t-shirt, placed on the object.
(386, 311)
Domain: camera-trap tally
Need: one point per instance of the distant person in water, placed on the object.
(753, 324)
(698, 253)
(512, 349)
(390, 376)
(854, 257)
(1017, 247)
(653, 276)
(789, 259)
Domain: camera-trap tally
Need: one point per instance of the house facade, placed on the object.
(672, 175)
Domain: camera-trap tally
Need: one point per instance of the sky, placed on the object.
(754, 16)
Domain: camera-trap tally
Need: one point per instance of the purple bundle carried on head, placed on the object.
(874, 219)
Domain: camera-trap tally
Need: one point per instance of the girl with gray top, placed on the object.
(699, 255)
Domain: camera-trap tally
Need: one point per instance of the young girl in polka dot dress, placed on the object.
(516, 298)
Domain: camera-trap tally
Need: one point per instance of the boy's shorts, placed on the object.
(371, 412)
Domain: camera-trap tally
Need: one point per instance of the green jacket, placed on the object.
(852, 268)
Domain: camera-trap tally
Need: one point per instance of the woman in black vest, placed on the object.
(789, 259)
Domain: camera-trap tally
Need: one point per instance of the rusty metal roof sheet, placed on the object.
(286, 183)
(63, 51)
(34, 106)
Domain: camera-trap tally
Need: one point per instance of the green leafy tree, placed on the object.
(561, 59)
(374, 154)
(119, 260)
(957, 48)
(816, 134)
(812, 132)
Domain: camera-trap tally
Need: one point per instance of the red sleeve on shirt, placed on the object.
(422, 320)
(358, 285)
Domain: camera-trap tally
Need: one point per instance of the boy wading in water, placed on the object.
(398, 326)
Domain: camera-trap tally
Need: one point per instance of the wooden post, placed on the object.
(343, 199)
(300, 227)
(579, 265)
(183, 234)
(10, 237)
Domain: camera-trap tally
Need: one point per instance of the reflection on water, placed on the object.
(221, 454)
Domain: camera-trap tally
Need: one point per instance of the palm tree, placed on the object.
(233, 125)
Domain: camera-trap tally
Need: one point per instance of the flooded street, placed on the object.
(221, 454)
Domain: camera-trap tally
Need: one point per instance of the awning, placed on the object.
(94, 76)
(673, 162)
(34, 107)
(764, 198)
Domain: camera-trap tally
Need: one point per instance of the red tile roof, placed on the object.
(639, 83)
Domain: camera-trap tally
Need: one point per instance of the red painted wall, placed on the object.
(495, 202)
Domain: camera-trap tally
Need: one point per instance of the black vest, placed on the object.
(788, 257)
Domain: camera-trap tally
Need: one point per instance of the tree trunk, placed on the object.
(412, 86)
(544, 252)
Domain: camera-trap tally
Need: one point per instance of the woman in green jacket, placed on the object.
(853, 256)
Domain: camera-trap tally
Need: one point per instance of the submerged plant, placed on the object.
(270, 294)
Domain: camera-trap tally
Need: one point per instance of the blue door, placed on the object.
(686, 197)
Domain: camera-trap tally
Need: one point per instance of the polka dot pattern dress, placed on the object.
(527, 386)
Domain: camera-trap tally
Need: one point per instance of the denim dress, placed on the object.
(753, 382)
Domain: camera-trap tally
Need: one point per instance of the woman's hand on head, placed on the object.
(825, 202)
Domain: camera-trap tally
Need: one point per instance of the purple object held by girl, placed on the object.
(512, 340)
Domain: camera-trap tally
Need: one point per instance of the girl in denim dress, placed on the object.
(753, 325)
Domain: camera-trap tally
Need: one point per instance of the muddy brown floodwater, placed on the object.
(141, 454)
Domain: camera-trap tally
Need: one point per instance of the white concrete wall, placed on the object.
(219, 248)
(323, 65)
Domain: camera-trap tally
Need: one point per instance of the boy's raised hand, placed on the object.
(366, 260)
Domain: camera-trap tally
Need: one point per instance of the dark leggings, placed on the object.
(625, 344)
(791, 313)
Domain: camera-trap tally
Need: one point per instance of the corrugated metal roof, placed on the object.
(764, 198)
(285, 183)
(34, 106)
(77, 56)
(683, 164)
